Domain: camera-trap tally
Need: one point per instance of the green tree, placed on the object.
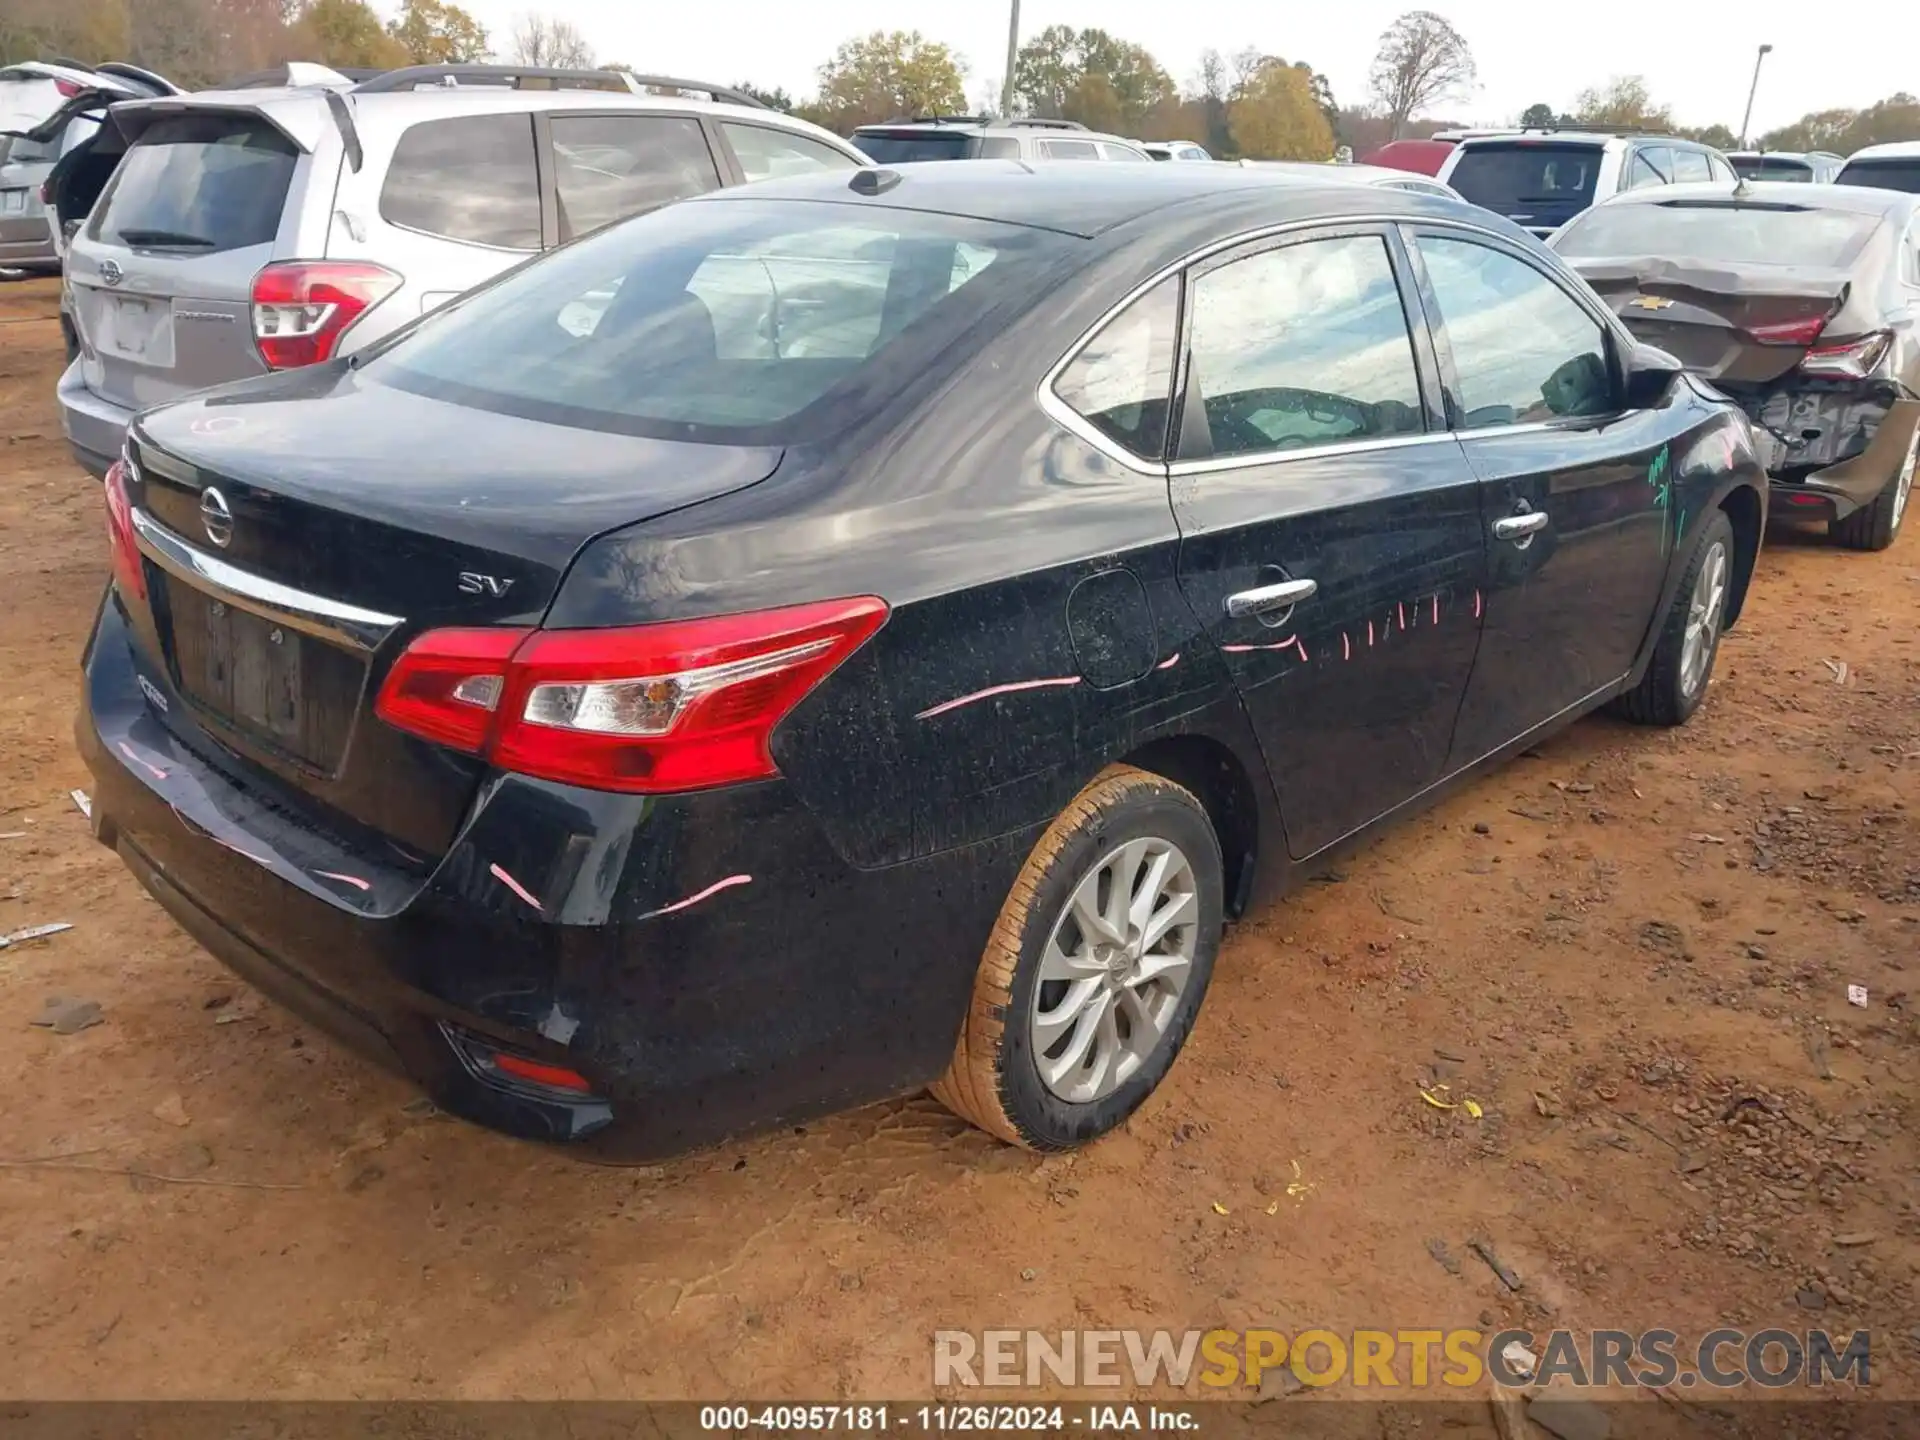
(345, 32)
(1623, 102)
(1095, 78)
(1718, 136)
(1274, 115)
(1843, 131)
(885, 76)
(775, 99)
(1422, 60)
(1537, 116)
(435, 32)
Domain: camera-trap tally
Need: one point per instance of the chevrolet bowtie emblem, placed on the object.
(1650, 302)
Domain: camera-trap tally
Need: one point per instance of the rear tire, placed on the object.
(1676, 681)
(1875, 526)
(1096, 967)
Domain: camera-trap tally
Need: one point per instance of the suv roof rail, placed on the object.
(414, 77)
(1043, 122)
(1598, 129)
(943, 120)
(728, 94)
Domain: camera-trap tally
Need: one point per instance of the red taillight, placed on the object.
(301, 308)
(1790, 332)
(128, 572)
(554, 1077)
(46, 192)
(1850, 361)
(66, 88)
(447, 686)
(683, 705)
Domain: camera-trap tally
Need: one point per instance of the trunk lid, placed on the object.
(354, 516)
(1743, 325)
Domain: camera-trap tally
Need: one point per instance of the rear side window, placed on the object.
(1300, 346)
(1122, 380)
(766, 154)
(199, 183)
(741, 321)
(609, 167)
(1069, 150)
(471, 178)
(1902, 174)
(999, 147)
(1523, 350)
(1649, 167)
(1110, 151)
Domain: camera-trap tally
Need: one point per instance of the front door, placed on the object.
(1331, 534)
(1575, 489)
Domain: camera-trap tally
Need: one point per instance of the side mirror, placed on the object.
(1648, 374)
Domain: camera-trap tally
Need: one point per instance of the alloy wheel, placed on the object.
(1903, 485)
(1704, 610)
(1115, 967)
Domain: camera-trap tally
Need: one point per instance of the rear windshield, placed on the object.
(1540, 182)
(1883, 174)
(731, 320)
(1734, 235)
(903, 146)
(199, 183)
(1771, 167)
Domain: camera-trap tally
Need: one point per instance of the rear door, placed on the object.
(1574, 489)
(1331, 536)
(162, 275)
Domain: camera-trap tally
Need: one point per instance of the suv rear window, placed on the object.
(201, 183)
(1546, 182)
(1883, 174)
(471, 178)
(1771, 167)
(900, 147)
(1730, 234)
(729, 320)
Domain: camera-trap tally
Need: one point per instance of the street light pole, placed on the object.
(1013, 53)
(1752, 90)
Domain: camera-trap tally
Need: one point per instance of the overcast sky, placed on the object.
(1698, 58)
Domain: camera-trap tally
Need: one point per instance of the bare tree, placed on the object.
(550, 42)
(1422, 59)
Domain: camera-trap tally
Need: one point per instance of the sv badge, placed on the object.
(474, 583)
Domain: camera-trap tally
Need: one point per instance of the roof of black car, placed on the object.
(1078, 198)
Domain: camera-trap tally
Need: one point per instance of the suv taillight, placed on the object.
(681, 705)
(128, 573)
(301, 308)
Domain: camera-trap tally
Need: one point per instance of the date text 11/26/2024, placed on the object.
(939, 1419)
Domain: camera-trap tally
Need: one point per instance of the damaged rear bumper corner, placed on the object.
(1836, 489)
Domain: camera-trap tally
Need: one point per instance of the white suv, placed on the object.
(258, 229)
(974, 137)
(1541, 179)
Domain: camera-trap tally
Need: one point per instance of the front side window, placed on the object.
(767, 154)
(1523, 350)
(1121, 380)
(1300, 346)
(1690, 167)
(1649, 167)
(470, 178)
(610, 167)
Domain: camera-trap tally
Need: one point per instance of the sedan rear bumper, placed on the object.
(707, 963)
(96, 428)
(1837, 491)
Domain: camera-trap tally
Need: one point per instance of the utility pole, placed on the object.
(1752, 90)
(1013, 54)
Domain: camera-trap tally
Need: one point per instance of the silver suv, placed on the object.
(249, 230)
(974, 137)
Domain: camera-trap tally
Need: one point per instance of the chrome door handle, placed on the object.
(1519, 527)
(1283, 596)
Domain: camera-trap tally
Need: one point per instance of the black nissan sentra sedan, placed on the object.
(833, 637)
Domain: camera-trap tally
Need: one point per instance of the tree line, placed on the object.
(1246, 102)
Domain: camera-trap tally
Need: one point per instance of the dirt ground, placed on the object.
(1632, 949)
